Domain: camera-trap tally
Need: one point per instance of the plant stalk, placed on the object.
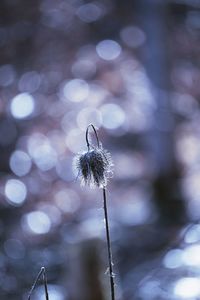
(45, 284)
(43, 274)
(111, 274)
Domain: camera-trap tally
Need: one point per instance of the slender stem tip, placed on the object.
(86, 136)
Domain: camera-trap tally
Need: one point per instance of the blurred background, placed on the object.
(132, 69)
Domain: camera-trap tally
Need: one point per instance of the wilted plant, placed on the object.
(95, 167)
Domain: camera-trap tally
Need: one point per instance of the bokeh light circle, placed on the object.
(14, 249)
(37, 222)
(89, 12)
(42, 152)
(55, 292)
(113, 115)
(76, 90)
(29, 82)
(15, 191)
(20, 163)
(173, 259)
(108, 49)
(89, 116)
(133, 36)
(22, 106)
(187, 288)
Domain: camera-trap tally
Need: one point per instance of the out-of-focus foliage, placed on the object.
(131, 68)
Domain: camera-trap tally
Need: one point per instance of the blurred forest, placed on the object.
(131, 68)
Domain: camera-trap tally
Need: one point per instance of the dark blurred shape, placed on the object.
(172, 209)
(8, 137)
(7, 75)
(85, 262)
(8, 132)
(171, 206)
(14, 249)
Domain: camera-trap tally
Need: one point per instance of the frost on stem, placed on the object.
(94, 166)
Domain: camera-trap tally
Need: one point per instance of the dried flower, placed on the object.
(94, 166)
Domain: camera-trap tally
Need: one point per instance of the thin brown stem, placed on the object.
(111, 274)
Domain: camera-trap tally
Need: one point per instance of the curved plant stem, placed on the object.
(86, 136)
(44, 277)
(111, 274)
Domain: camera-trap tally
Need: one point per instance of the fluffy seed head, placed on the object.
(94, 167)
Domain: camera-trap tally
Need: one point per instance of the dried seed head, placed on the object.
(94, 167)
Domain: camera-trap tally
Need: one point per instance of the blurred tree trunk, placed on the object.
(85, 271)
(152, 16)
